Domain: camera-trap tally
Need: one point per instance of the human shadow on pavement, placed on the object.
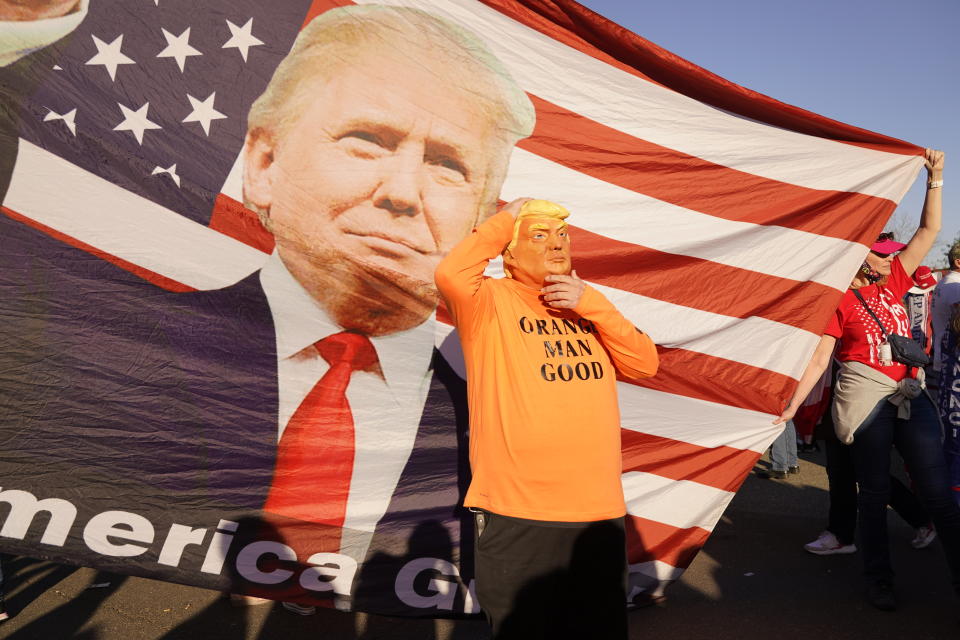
(26, 579)
(66, 620)
(435, 591)
(226, 617)
(270, 620)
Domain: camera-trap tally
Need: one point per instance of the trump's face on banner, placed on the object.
(378, 164)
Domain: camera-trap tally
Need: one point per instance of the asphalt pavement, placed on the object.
(752, 580)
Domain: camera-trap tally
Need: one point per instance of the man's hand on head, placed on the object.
(563, 292)
(514, 206)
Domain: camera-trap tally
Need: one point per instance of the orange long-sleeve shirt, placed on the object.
(541, 386)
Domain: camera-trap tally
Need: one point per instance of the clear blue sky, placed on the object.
(891, 66)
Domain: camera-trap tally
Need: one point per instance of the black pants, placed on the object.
(554, 580)
(918, 441)
(842, 482)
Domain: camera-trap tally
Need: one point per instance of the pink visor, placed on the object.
(887, 247)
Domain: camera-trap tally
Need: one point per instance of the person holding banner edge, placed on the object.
(879, 403)
(543, 350)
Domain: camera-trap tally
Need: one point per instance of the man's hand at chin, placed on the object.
(563, 292)
(27, 10)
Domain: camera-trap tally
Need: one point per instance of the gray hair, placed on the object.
(333, 40)
(953, 255)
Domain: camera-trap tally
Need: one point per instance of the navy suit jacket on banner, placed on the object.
(125, 396)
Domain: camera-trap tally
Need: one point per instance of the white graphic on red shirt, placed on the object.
(891, 313)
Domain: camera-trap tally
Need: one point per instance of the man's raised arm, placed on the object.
(460, 273)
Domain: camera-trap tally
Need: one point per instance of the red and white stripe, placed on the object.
(723, 223)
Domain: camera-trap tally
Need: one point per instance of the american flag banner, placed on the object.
(200, 200)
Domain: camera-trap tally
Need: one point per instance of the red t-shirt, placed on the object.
(859, 335)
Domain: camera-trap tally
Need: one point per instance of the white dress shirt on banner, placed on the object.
(386, 410)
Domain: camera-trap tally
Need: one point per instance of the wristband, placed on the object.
(934, 184)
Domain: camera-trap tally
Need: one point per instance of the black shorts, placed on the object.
(550, 579)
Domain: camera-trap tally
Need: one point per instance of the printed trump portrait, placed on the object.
(311, 389)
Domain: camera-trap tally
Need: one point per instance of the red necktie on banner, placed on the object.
(311, 480)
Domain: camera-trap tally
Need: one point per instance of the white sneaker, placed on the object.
(827, 544)
(299, 609)
(925, 535)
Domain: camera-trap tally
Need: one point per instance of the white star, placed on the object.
(242, 38)
(109, 55)
(203, 112)
(171, 171)
(178, 48)
(68, 119)
(136, 122)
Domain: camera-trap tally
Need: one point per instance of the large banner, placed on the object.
(206, 203)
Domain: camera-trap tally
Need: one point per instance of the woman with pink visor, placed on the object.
(880, 400)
